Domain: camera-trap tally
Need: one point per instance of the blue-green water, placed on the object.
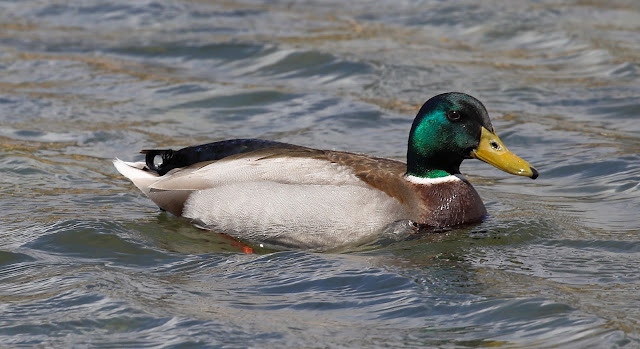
(87, 260)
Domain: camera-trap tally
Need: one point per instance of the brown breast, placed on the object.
(447, 203)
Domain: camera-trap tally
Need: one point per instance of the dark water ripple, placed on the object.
(85, 260)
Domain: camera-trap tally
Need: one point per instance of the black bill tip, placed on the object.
(534, 173)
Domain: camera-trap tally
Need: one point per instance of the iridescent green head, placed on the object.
(452, 127)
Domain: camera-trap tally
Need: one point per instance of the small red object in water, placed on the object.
(239, 244)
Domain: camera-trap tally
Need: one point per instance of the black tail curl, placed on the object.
(150, 157)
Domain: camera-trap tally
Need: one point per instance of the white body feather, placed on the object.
(299, 202)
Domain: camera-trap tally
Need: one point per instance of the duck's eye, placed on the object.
(453, 115)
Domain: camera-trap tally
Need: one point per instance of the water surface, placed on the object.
(87, 260)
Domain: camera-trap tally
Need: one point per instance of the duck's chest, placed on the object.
(448, 202)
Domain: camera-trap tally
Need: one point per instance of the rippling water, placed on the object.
(85, 259)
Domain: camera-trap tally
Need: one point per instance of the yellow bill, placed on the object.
(492, 151)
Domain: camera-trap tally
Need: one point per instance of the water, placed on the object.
(86, 260)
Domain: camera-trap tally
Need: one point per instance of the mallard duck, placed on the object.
(281, 194)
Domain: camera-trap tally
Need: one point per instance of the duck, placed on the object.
(279, 194)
